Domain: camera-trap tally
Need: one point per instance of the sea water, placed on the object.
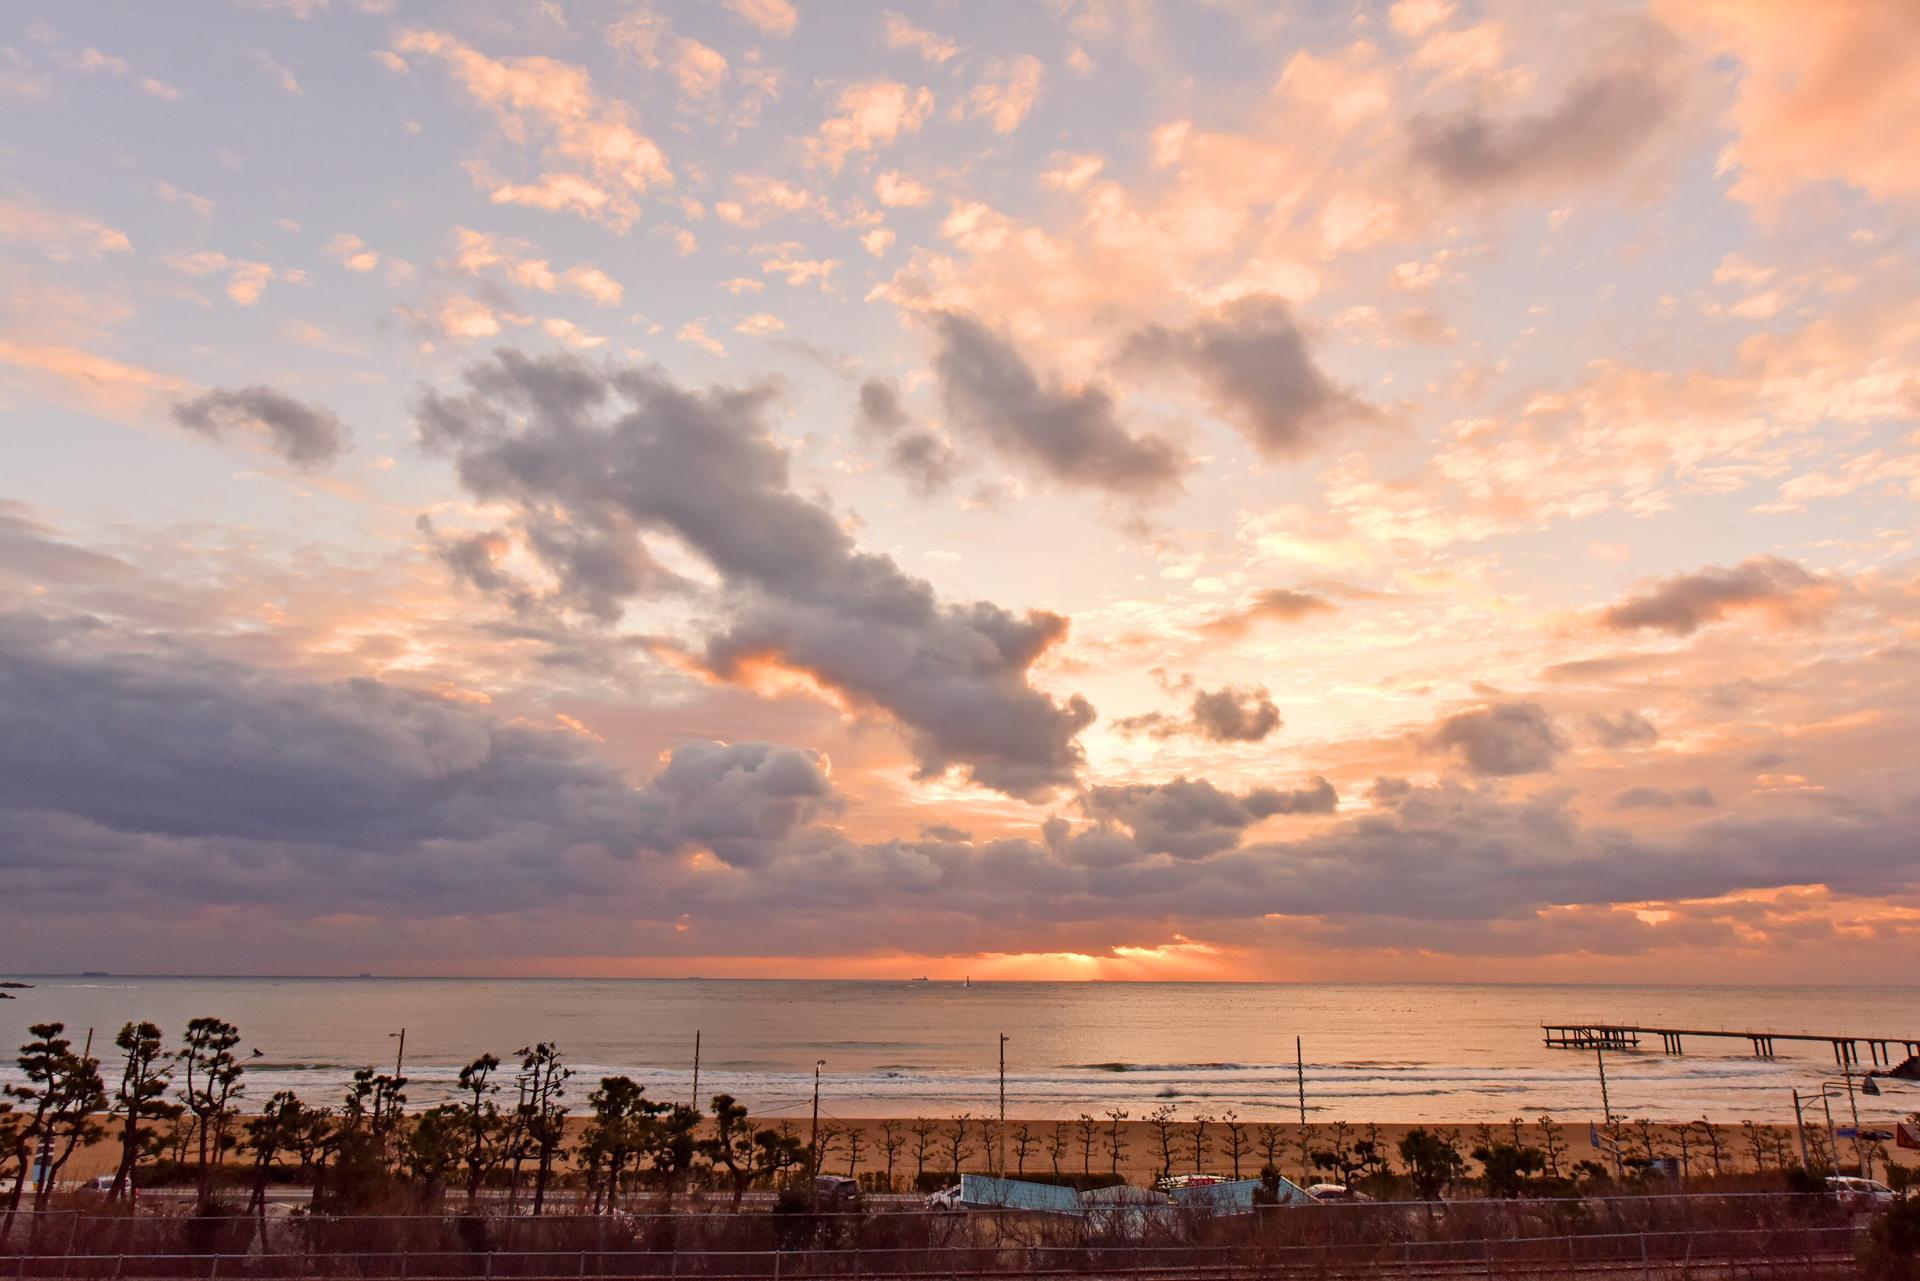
(1372, 1052)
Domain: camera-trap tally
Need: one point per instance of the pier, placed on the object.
(1626, 1036)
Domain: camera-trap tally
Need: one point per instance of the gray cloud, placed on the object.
(912, 451)
(594, 462)
(306, 435)
(1503, 739)
(1660, 798)
(1231, 714)
(1254, 363)
(153, 764)
(1070, 435)
(1628, 729)
(1185, 818)
(1599, 124)
(1235, 715)
(1683, 604)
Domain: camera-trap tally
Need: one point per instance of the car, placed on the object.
(98, 1183)
(835, 1190)
(1860, 1194)
(945, 1199)
(1335, 1192)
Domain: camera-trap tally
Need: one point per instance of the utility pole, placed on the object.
(1606, 1104)
(696, 1069)
(1004, 1038)
(1859, 1147)
(813, 1142)
(1300, 1072)
(400, 1057)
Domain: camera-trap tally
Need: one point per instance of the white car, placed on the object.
(1335, 1192)
(945, 1199)
(1864, 1194)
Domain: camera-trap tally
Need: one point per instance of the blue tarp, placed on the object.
(983, 1191)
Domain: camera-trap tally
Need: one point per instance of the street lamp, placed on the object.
(401, 1056)
(813, 1142)
(1002, 1159)
(1827, 1087)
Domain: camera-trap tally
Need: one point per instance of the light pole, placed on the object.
(1606, 1104)
(1300, 1077)
(813, 1142)
(400, 1057)
(1002, 1159)
(1827, 1087)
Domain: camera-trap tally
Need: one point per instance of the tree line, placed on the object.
(505, 1129)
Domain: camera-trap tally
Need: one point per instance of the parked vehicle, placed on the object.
(1335, 1192)
(945, 1199)
(835, 1191)
(1860, 1194)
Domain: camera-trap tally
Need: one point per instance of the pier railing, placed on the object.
(1627, 1036)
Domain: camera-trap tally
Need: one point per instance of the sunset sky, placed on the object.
(1113, 490)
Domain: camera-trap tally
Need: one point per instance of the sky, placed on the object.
(1094, 489)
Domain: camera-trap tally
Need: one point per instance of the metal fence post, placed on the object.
(1646, 1265)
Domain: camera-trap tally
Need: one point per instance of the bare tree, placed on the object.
(1087, 1131)
(1553, 1144)
(1236, 1138)
(1116, 1136)
(923, 1131)
(1684, 1145)
(1197, 1137)
(856, 1142)
(1716, 1142)
(1024, 1143)
(1058, 1144)
(955, 1136)
(1165, 1131)
(1271, 1140)
(892, 1143)
(830, 1136)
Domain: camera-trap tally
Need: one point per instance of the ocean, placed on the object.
(1372, 1052)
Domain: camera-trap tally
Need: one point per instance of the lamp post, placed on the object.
(1827, 1089)
(1002, 1158)
(1606, 1104)
(813, 1141)
(400, 1056)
